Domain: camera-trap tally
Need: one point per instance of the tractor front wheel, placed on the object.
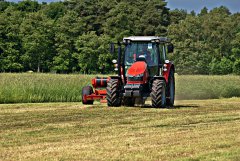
(158, 94)
(113, 96)
(87, 90)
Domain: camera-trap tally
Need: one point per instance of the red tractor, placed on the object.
(143, 71)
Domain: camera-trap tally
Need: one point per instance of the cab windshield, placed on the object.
(141, 50)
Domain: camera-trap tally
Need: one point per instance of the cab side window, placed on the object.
(162, 53)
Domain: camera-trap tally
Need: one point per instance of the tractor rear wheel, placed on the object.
(87, 90)
(171, 89)
(128, 101)
(113, 96)
(158, 94)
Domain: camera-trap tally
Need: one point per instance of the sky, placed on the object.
(197, 5)
(189, 5)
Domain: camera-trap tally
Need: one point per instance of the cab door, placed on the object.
(153, 65)
(163, 54)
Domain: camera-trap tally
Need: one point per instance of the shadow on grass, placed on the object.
(184, 106)
(175, 106)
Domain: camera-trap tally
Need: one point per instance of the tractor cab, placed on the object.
(142, 51)
(151, 49)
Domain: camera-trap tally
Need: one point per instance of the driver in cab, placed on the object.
(147, 55)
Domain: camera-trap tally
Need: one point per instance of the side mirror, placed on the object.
(112, 48)
(170, 48)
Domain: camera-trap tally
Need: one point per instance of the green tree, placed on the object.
(92, 53)
(177, 15)
(28, 6)
(10, 42)
(205, 42)
(224, 66)
(54, 10)
(203, 11)
(36, 32)
(120, 21)
(4, 5)
(154, 18)
(236, 67)
(67, 30)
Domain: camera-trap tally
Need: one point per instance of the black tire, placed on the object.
(87, 90)
(113, 96)
(171, 90)
(158, 94)
(128, 101)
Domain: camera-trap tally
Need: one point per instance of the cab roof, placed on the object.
(147, 38)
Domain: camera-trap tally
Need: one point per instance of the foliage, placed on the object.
(236, 67)
(224, 66)
(67, 29)
(10, 40)
(92, 53)
(36, 38)
(203, 42)
(73, 36)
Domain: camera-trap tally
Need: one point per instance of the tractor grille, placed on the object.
(135, 78)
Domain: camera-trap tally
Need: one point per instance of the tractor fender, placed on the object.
(115, 77)
(168, 67)
(159, 78)
(118, 78)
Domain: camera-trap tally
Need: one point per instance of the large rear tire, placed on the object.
(171, 90)
(87, 90)
(113, 96)
(158, 94)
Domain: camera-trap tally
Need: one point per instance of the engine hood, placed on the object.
(137, 68)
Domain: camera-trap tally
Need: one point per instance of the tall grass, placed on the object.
(207, 87)
(41, 87)
(32, 87)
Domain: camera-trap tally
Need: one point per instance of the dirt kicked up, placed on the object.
(193, 130)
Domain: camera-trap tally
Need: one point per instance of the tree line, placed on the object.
(74, 36)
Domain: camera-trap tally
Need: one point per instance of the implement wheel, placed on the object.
(113, 96)
(87, 90)
(158, 94)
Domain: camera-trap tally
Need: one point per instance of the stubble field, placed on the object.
(193, 130)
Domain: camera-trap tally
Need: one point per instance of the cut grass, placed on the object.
(193, 130)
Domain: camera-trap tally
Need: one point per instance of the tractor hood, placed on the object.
(137, 68)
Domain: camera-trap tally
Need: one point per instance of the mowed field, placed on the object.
(193, 130)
